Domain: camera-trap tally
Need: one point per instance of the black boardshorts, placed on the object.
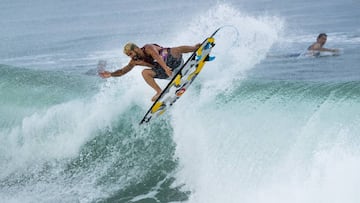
(172, 62)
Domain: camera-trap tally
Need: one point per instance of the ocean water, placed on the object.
(257, 126)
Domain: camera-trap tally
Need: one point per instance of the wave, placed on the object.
(79, 147)
(79, 140)
(71, 138)
(270, 141)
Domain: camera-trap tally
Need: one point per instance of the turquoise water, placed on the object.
(256, 126)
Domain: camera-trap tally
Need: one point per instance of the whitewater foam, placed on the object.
(206, 164)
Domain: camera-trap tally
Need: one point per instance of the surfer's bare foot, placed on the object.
(156, 96)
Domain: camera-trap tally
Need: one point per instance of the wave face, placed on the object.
(274, 142)
(251, 128)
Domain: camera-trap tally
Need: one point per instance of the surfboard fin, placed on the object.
(209, 58)
(207, 46)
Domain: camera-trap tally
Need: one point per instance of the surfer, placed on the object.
(162, 62)
(317, 46)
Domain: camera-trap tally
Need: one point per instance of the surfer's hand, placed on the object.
(168, 71)
(105, 74)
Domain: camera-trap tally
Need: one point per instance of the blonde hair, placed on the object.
(129, 47)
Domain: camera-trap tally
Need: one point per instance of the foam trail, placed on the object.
(263, 145)
(235, 54)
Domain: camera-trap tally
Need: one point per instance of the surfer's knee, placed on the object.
(177, 51)
(143, 73)
(147, 73)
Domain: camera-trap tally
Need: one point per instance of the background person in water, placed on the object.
(320, 42)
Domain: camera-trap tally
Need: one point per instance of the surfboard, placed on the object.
(181, 81)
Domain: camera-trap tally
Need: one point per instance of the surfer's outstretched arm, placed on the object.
(117, 73)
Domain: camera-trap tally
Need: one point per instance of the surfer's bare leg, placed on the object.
(177, 51)
(149, 75)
